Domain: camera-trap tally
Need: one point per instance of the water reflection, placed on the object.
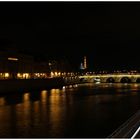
(43, 108)
(4, 119)
(26, 97)
(81, 110)
(43, 96)
(2, 101)
(14, 99)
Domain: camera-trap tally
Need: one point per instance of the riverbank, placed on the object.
(21, 85)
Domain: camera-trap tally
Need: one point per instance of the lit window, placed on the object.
(6, 75)
(52, 74)
(26, 75)
(56, 73)
(12, 58)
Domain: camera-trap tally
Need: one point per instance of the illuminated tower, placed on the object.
(85, 62)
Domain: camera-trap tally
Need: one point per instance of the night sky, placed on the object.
(108, 33)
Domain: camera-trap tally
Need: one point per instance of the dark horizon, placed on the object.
(108, 33)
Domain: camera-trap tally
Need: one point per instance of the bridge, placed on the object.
(111, 78)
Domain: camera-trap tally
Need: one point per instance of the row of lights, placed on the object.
(42, 75)
(23, 75)
(105, 72)
(36, 75)
(4, 75)
(57, 74)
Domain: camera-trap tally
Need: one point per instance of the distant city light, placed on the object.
(6, 75)
(25, 75)
(52, 74)
(19, 75)
(55, 73)
(50, 64)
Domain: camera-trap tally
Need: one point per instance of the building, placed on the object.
(14, 65)
(85, 62)
(83, 66)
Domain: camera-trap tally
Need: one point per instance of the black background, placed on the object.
(108, 33)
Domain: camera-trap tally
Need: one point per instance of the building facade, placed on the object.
(21, 66)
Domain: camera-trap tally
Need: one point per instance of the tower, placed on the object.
(85, 62)
(83, 65)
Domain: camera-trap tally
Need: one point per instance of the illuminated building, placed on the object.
(14, 65)
(83, 65)
(85, 62)
(20, 66)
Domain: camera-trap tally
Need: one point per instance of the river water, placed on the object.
(79, 111)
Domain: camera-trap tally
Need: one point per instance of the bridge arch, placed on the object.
(82, 79)
(125, 80)
(138, 80)
(110, 80)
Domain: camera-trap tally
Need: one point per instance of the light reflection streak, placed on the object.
(44, 96)
(4, 117)
(23, 113)
(56, 115)
(2, 101)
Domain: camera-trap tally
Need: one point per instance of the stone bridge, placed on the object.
(111, 78)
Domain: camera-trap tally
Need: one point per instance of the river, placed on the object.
(79, 111)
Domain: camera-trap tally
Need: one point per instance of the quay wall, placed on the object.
(21, 85)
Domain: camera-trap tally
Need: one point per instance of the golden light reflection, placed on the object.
(55, 98)
(56, 112)
(76, 85)
(44, 106)
(52, 90)
(70, 86)
(44, 96)
(26, 104)
(55, 91)
(26, 97)
(23, 115)
(118, 85)
(136, 85)
(2, 101)
(36, 106)
(134, 88)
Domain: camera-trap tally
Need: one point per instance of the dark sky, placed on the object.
(108, 33)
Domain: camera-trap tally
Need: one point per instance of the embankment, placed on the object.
(21, 85)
